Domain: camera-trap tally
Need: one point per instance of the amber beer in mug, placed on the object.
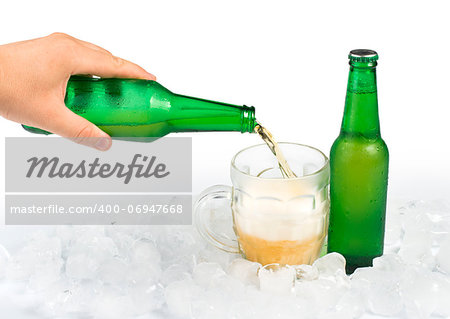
(275, 219)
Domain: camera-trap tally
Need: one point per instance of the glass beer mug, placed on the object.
(274, 219)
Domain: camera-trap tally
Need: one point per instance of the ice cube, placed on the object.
(436, 213)
(418, 291)
(362, 279)
(379, 289)
(212, 304)
(393, 230)
(384, 298)
(56, 298)
(441, 227)
(245, 271)
(88, 231)
(442, 286)
(98, 248)
(123, 237)
(277, 279)
(4, 258)
(243, 310)
(179, 295)
(332, 314)
(205, 274)
(146, 298)
(214, 255)
(45, 274)
(324, 293)
(41, 250)
(113, 271)
(113, 306)
(330, 265)
(282, 306)
(229, 285)
(71, 298)
(389, 262)
(251, 304)
(351, 304)
(416, 248)
(81, 266)
(307, 308)
(443, 256)
(307, 272)
(175, 272)
(66, 234)
(178, 244)
(144, 273)
(153, 315)
(144, 251)
(415, 218)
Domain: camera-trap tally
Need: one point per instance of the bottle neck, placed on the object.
(191, 114)
(361, 103)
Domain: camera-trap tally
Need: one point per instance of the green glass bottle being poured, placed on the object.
(134, 109)
(359, 161)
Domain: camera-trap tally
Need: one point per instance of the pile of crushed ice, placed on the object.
(158, 272)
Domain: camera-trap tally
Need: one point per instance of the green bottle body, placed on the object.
(131, 108)
(359, 161)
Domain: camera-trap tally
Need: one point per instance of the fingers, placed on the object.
(84, 43)
(100, 62)
(67, 124)
(88, 58)
(92, 46)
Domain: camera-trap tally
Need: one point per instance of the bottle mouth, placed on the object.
(248, 119)
(363, 55)
(363, 58)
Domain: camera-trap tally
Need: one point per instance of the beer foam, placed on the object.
(270, 223)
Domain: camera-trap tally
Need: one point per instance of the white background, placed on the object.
(287, 58)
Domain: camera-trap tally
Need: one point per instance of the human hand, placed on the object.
(33, 80)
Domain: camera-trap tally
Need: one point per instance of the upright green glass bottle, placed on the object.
(359, 170)
(130, 108)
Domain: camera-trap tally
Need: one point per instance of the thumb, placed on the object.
(79, 130)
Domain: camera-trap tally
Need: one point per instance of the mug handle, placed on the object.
(213, 203)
